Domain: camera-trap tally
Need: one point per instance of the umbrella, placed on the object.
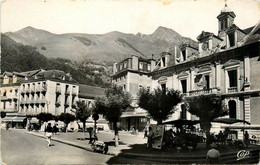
(230, 121)
(182, 122)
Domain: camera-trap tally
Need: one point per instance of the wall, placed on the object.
(254, 73)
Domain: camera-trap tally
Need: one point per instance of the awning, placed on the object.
(133, 115)
(34, 120)
(18, 119)
(253, 127)
(8, 118)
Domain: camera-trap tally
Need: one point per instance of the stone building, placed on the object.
(30, 93)
(225, 63)
(132, 74)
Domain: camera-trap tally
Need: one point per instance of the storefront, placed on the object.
(17, 122)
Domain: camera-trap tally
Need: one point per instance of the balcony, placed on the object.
(67, 92)
(41, 89)
(9, 110)
(74, 92)
(58, 90)
(232, 89)
(203, 91)
(66, 104)
(74, 104)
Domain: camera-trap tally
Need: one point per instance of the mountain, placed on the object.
(16, 55)
(103, 47)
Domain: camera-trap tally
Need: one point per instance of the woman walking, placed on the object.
(48, 133)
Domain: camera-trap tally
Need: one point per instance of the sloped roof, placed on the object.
(86, 91)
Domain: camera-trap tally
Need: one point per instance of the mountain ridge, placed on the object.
(110, 46)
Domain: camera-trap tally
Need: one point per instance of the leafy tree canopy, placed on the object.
(206, 107)
(66, 117)
(159, 103)
(113, 103)
(83, 112)
(45, 117)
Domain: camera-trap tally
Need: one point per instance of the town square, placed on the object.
(86, 88)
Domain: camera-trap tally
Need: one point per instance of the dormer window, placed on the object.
(141, 65)
(163, 62)
(231, 38)
(183, 52)
(149, 67)
(125, 64)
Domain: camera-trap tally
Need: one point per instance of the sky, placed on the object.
(187, 17)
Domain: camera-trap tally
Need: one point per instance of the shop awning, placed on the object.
(34, 120)
(7, 118)
(18, 119)
(253, 127)
(133, 115)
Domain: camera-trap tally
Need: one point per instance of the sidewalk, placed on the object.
(133, 147)
(73, 139)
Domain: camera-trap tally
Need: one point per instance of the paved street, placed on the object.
(21, 148)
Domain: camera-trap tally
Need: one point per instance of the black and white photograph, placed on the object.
(130, 82)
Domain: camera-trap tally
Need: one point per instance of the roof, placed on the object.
(30, 73)
(207, 34)
(86, 91)
(55, 74)
(248, 30)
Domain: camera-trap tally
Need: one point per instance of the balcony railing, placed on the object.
(41, 89)
(232, 89)
(74, 92)
(67, 92)
(58, 90)
(203, 91)
(9, 109)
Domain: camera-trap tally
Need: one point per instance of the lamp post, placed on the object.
(95, 117)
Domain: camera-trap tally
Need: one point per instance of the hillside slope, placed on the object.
(103, 47)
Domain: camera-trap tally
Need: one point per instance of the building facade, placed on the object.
(132, 74)
(226, 64)
(30, 93)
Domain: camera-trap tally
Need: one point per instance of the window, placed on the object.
(141, 65)
(183, 55)
(184, 86)
(163, 86)
(149, 67)
(207, 83)
(163, 62)
(125, 64)
(232, 109)
(231, 38)
(121, 67)
(232, 78)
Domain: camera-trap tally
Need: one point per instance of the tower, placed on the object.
(225, 19)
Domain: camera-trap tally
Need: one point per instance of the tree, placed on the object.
(44, 117)
(66, 118)
(112, 105)
(159, 103)
(83, 112)
(207, 108)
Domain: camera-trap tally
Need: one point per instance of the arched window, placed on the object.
(232, 109)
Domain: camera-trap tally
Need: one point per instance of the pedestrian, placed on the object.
(246, 139)
(54, 128)
(213, 155)
(150, 138)
(48, 133)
